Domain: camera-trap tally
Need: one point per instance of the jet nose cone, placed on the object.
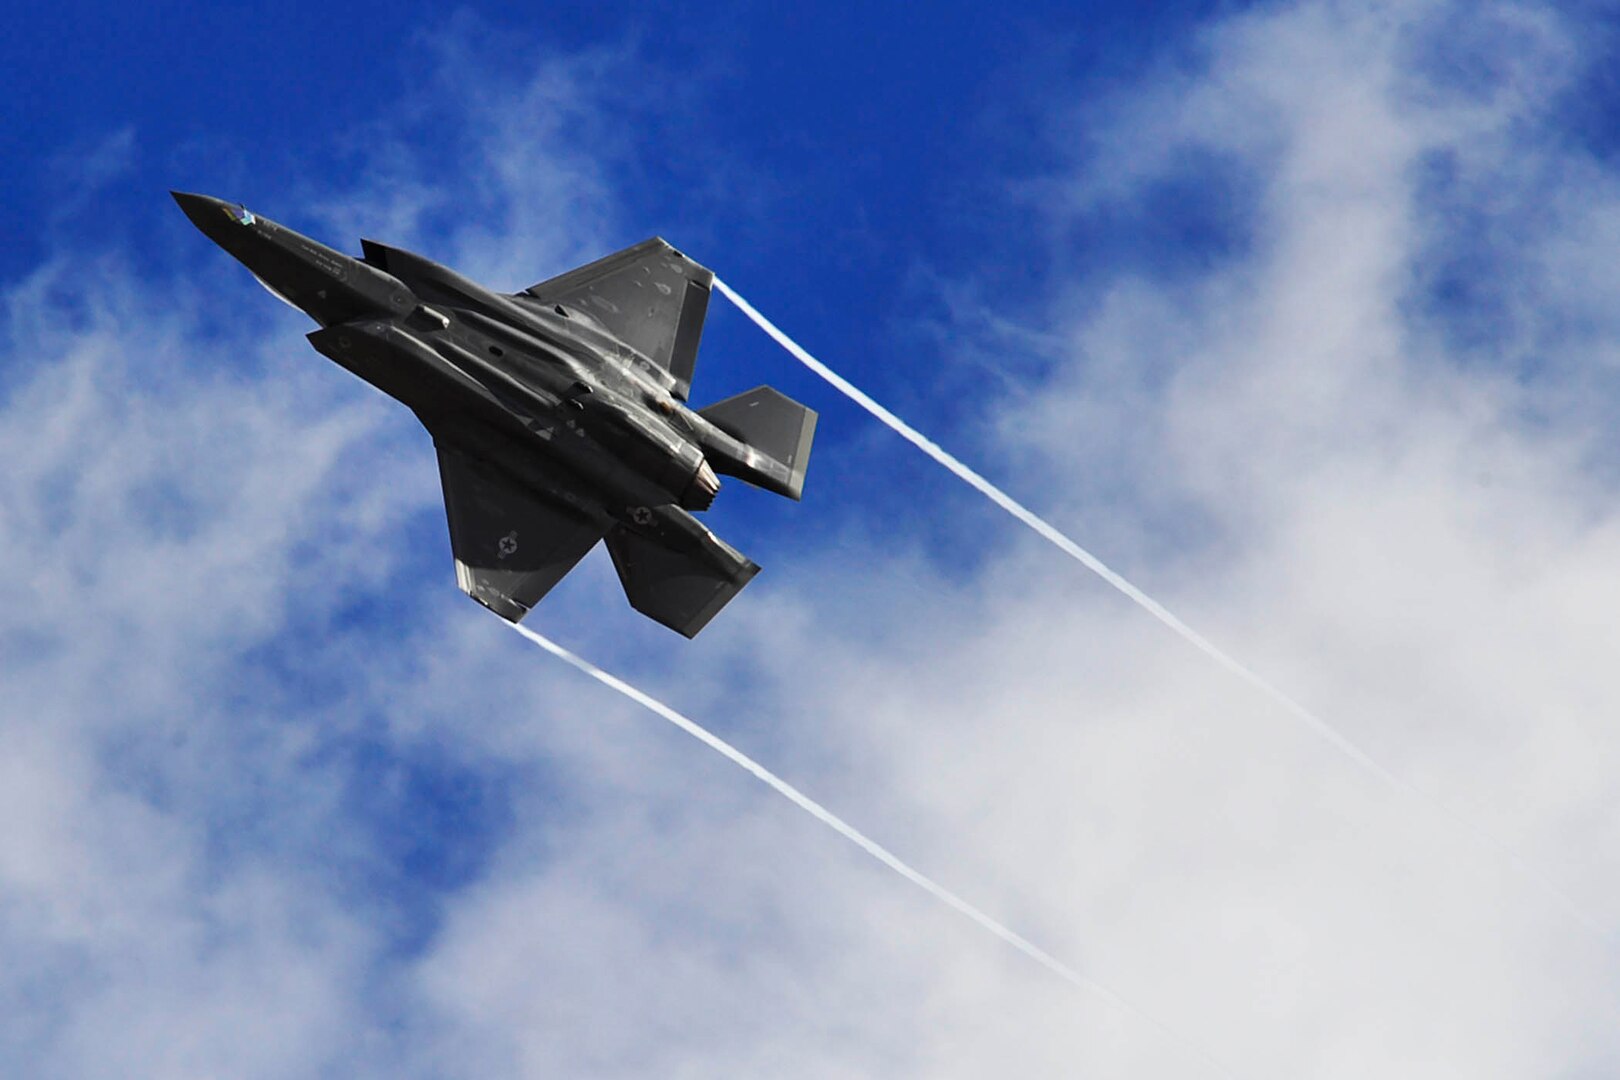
(213, 216)
(199, 208)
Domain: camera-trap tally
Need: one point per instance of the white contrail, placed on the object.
(1051, 533)
(858, 838)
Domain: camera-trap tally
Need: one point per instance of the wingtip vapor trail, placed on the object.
(865, 843)
(1051, 533)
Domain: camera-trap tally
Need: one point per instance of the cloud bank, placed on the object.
(279, 803)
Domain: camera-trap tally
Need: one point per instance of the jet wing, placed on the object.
(511, 545)
(649, 296)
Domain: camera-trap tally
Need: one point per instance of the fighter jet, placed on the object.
(559, 413)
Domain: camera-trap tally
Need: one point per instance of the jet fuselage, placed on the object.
(522, 383)
(545, 394)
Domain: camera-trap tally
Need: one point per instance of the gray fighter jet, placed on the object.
(559, 412)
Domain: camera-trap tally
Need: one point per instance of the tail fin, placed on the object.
(773, 425)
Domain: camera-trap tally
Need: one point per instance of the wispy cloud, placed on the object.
(207, 865)
(242, 707)
(1290, 444)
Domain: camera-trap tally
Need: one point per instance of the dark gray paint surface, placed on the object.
(559, 412)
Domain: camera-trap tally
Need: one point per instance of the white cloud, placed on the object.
(160, 518)
(197, 513)
(1296, 446)
(1292, 447)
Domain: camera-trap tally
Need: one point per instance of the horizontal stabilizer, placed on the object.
(770, 422)
(511, 546)
(677, 588)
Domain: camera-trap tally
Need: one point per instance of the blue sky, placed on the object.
(1301, 314)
